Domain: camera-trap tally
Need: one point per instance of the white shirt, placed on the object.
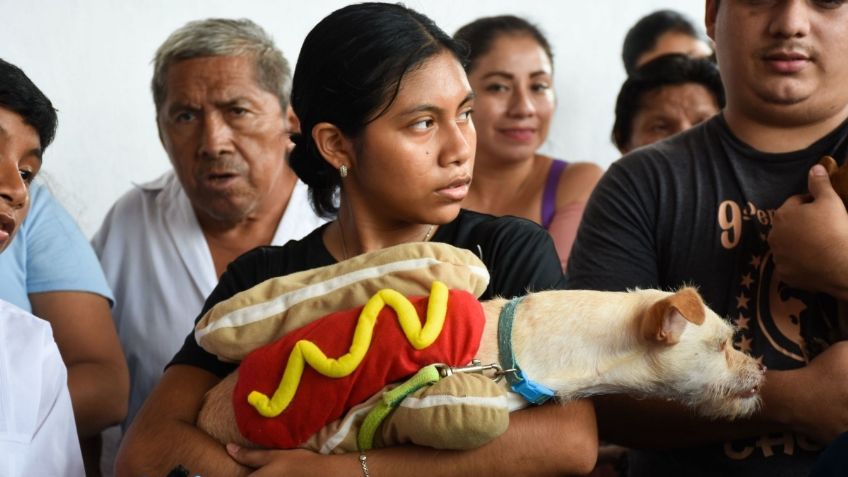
(159, 266)
(37, 431)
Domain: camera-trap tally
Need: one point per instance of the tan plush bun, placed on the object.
(260, 315)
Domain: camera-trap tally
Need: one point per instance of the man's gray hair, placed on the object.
(224, 37)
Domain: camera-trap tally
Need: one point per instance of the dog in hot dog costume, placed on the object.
(564, 343)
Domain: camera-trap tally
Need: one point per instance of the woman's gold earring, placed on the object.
(343, 171)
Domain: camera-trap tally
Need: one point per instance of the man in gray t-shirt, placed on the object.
(720, 206)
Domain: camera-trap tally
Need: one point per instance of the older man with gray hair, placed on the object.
(221, 90)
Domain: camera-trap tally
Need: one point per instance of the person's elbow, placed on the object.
(128, 463)
(100, 393)
(585, 454)
(115, 409)
(98, 379)
(578, 443)
(144, 447)
(164, 434)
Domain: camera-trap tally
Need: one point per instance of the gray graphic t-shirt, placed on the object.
(697, 209)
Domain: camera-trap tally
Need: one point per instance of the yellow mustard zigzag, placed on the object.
(305, 351)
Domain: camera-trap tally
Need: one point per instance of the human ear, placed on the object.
(292, 120)
(292, 125)
(159, 131)
(710, 13)
(334, 146)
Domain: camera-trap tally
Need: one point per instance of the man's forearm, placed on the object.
(650, 423)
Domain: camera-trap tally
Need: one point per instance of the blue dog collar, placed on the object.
(533, 392)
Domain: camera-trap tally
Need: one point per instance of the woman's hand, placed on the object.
(294, 462)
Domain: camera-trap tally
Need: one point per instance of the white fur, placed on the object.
(583, 343)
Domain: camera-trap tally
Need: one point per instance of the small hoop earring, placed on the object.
(343, 171)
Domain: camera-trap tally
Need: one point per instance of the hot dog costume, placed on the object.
(307, 368)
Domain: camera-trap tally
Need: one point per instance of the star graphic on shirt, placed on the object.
(741, 322)
(755, 262)
(747, 280)
(745, 344)
(742, 301)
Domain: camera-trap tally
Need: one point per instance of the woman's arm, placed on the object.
(577, 182)
(547, 440)
(551, 440)
(163, 434)
(575, 186)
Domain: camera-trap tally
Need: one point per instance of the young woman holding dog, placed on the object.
(384, 106)
(510, 68)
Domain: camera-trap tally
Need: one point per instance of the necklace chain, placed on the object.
(344, 242)
(429, 232)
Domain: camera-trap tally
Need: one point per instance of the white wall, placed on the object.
(92, 58)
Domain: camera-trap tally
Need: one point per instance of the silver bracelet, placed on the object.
(363, 462)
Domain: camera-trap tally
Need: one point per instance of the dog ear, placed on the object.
(665, 320)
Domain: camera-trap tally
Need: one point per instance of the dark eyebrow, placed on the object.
(510, 76)
(433, 108)
(37, 152)
(502, 74)
(180, 107)
(233, 101)
(421, 108)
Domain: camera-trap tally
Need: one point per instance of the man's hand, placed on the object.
(814, 399)
(809, 239)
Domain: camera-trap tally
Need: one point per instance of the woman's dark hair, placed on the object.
(643, 36)
(666, 70)
(19, 95)
(349, 72)
(479, 35)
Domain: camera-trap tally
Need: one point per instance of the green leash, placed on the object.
(390, 400)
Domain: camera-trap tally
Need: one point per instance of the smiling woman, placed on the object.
(387, 144)
(511, 71)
